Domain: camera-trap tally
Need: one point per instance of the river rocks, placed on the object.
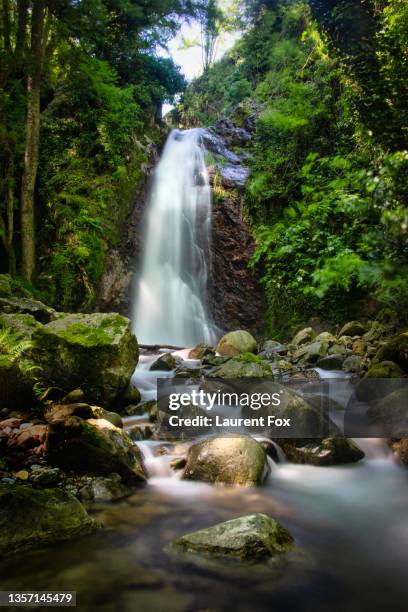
(96, 352)
(395, 350)
(94, 446)
(244, 366)
(329, 451)
(200, 351)
(352, 363)
(38, 310)
(101, 490)
(304, 336)
(166, 362)
(34, 517)
(130, 395)
(44, 476)
(248, 538)
(235, 343)
(353, 328)
(234, 460)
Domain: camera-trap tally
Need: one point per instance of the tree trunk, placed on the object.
(32, 139)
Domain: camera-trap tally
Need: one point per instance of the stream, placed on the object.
(349, 524)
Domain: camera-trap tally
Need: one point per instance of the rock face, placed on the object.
(248, 538)
(236, 342)
(235, 460)
(94, 446)
(33, 517)
(27, 306)
(96, 352)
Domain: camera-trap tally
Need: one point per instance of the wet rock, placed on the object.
(185, 372)
(400, 448)
(166, 362)
(44, 476)
(96, 352)
(352, 363)
(235, 343)
(311, 353)
(214, 361)
(200, 351)
(326, 337)
(369, 388)
(34, 517)
(30, 437)
(353, 328)
(246, 365)
(270, 349)
(331, 362)
(391, 413)
(131, 395)
(58, 412)
(102, 490)
(329, 451)
(94, 446)
(21, 324)
(304, 336)
(234, 176)
(26, 306)
(248, 538)
(395, 350)
(234, 460)
(165, 431)
(216, 144)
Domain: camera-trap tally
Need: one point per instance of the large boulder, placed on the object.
(390, 413)
(34, 517)
(21, 305)
(235, 460)
(96, 352)
(248, 538)
(235, 343)
(23, 325)
(395, 350)
(246, 365)
(93, 446)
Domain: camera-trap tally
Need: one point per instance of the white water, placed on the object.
(170, 302)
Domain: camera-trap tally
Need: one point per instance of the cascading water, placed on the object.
(171, 305)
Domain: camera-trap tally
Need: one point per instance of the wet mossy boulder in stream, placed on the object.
(35, 517)
(395, 350)
(255, 537)
(329, 451)
(234, 460)
(166, 363)
(353, 328)
(246, 365)
(381, 379)
(93, 446)
(235, 343)
(96, 352)
(58, 412)
(304, 336)
(200, 351)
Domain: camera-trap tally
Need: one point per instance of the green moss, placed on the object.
(86, 336)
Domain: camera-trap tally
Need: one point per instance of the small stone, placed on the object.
(22, 475)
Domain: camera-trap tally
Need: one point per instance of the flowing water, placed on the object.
(171, 302)
(349, 523)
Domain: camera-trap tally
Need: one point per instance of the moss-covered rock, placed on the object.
(34, 517)
(96, 352)
(395, 350)
(246, 365)
(309, 354)
(374, 384)
(390, 413)
(236, 342)
(93, 446)
(166, 363)
(353, 328)
(234, 460)
(304, 336)
(248, 538)
(329, 451)
(331, 362)
(24, 325)
(41, 312)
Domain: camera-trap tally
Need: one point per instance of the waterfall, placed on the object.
(170, 302)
